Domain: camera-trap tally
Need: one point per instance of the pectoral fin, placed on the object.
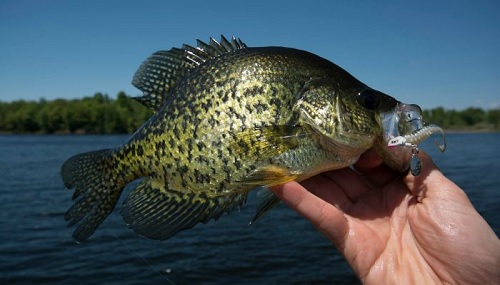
(270, 175)
(264, 177)
(267, 143)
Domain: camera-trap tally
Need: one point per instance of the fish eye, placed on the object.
(368, 99)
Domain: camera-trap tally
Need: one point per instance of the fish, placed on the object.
(228, 119)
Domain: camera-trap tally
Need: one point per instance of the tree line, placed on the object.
(470, 119)
(100, 114)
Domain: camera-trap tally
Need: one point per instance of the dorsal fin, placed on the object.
(161, 71)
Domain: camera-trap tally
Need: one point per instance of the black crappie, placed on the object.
(228, 119)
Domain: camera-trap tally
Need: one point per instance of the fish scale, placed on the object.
(228, 119)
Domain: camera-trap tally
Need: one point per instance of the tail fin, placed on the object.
(97, 188)
(156, 212)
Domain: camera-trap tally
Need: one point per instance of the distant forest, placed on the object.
(98, 114)
(101, 114)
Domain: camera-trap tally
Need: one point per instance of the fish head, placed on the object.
(347, 120)
(394, 128)
(356, 119)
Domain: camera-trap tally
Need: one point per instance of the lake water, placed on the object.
(282, 248)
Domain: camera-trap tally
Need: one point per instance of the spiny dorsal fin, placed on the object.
(162, 70)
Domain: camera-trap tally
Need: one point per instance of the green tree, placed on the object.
(438, 116)
(26, 120)
(55, 116)
(473, 116)
(453, 120)
(493, 118)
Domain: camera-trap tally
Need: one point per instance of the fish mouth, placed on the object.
(404, 129)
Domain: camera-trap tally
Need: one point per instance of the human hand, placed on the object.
(399, 229)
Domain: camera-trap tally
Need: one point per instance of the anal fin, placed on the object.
(156, 212)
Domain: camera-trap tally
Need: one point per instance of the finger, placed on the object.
(342, 183)
(324, 216)
(325, 188)
(380, 176)
(343, 187)
(369, 160)
(431, 183)
(417, 184)
(373, 170)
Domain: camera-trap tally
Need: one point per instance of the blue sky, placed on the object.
(432, 53)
